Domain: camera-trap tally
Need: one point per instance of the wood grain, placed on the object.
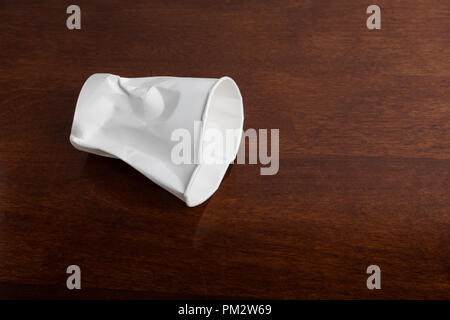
(364, 119)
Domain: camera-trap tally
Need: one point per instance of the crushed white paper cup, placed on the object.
(138, 120)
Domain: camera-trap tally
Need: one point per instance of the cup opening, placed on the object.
(223, 119)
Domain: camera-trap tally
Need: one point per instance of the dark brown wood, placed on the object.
(364, 119)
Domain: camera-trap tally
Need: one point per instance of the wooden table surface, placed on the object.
(364, 177)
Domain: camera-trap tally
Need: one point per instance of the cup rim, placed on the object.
(199, 199)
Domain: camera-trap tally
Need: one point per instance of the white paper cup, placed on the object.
(134, 119)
